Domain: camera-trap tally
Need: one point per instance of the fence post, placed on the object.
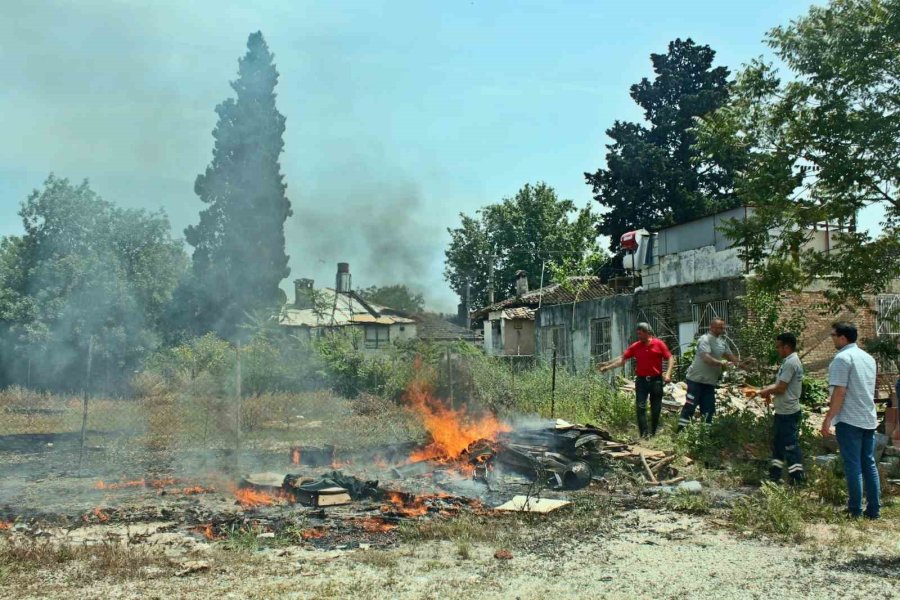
(450, 376)
(237, 402)
(84, 394)
(553, 388)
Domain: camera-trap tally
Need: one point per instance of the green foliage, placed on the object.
(239, 256)
(764, 321)
(85, 273)
(652, 176)
(817, 147)
(580, 397)
(519, 233)
(682, 501)
(815, 392)
(829, 484)
(774, 510)
(732, 434)
(398, 297)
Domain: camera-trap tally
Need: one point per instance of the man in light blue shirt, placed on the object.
(851, 377)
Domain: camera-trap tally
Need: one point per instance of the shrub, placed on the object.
(773, 510)
(815, 392)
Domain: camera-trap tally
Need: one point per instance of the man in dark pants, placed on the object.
(851, 376)
(648, 353)
(786, 390)
(703, 374)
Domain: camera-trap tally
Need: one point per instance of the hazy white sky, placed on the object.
(399, 114)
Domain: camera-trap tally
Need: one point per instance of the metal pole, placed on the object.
(553, 388)
(84, 400)
(450, 376)
(237, 436)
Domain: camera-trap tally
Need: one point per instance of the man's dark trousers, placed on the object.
(786, 448)
(652, 387)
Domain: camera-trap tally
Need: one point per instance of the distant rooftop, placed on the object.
(549, 295)
(338, 310)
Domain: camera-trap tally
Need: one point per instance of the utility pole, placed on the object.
(468, 306)
(491, 279)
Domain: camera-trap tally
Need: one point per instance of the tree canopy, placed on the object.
(398, 297)
(519, 233)
(652, 177)
(85, 274)
(817, 148)
(239, 249)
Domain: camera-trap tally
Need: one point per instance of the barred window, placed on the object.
(601, 340)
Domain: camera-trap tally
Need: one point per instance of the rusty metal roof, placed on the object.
(519, 312)
(587, 287)
(339, 310)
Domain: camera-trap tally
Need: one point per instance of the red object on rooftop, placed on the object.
(629, 241)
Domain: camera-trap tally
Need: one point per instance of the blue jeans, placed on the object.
(700, 395)
(858, 452)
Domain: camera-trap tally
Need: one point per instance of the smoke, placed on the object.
(375, 218)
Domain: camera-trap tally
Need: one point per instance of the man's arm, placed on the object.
(779, 387)
(711, 360)
(668, 376)
(838, 393)
(611, 364)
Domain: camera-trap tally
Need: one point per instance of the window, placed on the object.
(601, 340)
(377, 336)
(558, 338)
(704, 314)
(887, 315)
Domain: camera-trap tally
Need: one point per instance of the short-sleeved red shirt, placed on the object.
(648, 357)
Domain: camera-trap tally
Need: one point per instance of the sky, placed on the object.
(400, 115)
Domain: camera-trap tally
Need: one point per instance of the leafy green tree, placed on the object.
(519, 233)
(652, 176)
(239, 252)
(817, 149)
(398, 297)
(85, 274)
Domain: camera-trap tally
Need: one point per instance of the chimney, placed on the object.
(303, 296)
(521, 283)
(342, 279)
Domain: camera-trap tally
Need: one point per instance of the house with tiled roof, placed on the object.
(510, 324)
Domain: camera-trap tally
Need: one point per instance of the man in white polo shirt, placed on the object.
(851, 377)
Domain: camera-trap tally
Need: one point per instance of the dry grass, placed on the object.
(88, 561)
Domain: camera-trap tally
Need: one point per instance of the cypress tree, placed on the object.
(239, 255)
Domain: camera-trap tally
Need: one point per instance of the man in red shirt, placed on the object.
(648, 353)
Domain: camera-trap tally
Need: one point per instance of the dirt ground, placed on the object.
(583, 551)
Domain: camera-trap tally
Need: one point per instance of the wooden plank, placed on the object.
(647, 469)
(658, 466)
(530, 504)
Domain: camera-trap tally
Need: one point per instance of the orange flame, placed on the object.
(452, 430)
(312, 534)
(405, 504)
(5, 525)
(100, 485)
(97, 512)
(206, 531)
(376, 525)
(251, 498)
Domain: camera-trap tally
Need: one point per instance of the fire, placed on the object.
(313, 533)
(97, 512)
(206, 531)
(251, 498)
(197, 489)
(405, 504)
(100, 485)
(376, 525)
(452, 430)
(5, 525)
